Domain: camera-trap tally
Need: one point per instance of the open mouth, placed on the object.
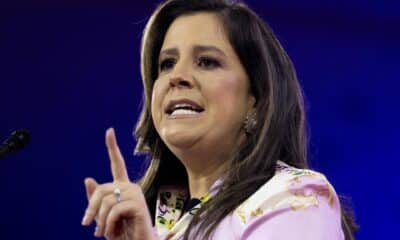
(183, 107)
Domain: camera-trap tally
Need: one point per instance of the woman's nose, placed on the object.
(180, 82)
(181, 78)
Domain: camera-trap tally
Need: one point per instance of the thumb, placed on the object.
(90, 186)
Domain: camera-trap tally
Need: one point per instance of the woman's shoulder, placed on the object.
(292, 195)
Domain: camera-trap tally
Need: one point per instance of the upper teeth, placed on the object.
(182, 105)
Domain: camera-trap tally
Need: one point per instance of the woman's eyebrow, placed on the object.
(169, 51)
(196, 49)
(207, 48)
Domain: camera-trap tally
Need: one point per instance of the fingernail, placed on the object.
(96, 232)
(85, 220)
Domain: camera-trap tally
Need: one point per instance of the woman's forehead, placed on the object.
(200, 29)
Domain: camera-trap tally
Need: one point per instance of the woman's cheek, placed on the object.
(156, 101)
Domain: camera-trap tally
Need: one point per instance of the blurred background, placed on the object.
(69, 70)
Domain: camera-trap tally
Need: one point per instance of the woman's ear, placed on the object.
(250, 121)
(251, 103)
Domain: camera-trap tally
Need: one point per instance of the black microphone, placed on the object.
(18, 140)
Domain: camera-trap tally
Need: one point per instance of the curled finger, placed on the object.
(95, 202)
(107, 204)
(116, 216)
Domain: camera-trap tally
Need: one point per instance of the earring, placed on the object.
(250, 123)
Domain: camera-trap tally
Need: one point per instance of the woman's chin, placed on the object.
(180, 140)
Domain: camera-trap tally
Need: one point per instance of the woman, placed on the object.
(223, 125)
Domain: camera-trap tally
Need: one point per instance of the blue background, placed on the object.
(70, 70)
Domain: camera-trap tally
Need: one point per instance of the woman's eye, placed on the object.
(166, 64)
(208, 63)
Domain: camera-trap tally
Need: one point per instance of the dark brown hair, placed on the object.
(280, 114)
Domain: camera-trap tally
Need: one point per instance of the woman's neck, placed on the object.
(201, 178)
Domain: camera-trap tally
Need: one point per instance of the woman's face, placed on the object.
(201, 96)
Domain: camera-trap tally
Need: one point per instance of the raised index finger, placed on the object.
(118, 167)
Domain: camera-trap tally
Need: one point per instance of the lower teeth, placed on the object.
(183, 112)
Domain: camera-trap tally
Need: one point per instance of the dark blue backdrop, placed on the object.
(68, 71)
